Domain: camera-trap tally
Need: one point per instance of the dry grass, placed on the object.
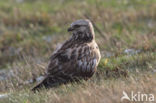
(109, 90)
(30, 31)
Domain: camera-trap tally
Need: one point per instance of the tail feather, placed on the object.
(53, 81)
(42, 84)
(47, 82)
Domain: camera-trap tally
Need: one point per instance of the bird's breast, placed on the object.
(89, 58)
(97, 52)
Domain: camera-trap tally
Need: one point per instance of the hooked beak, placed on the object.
(70, 29)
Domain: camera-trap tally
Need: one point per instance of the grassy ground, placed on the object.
(31, 29)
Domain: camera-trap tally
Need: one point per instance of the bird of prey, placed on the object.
(76, 59)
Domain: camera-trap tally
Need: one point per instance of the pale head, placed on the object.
(82, 29)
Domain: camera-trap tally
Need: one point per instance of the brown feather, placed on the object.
(76, 59)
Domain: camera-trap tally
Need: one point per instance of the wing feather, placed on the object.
(80, 62)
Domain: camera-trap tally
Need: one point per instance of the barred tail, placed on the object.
(45, 83)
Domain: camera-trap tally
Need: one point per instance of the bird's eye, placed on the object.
(76, 26)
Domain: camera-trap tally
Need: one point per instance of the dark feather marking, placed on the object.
(73, 54)
(63, 58)
(64, 67)
(80, 52)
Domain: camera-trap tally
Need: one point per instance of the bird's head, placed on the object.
(82, 29)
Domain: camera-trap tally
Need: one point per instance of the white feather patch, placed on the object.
(84, 66)
(80, 63)
(94, 63)
(68, 53)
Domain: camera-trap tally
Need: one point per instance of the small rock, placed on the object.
(3, 95)
(47, 39)
(154, 70)
(5, 74)
(131, 51)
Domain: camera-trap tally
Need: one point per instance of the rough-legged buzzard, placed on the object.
(75, 59)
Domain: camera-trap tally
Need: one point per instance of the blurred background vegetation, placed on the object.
(31, 29)
(34, 27)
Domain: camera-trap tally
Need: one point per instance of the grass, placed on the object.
(30, 31)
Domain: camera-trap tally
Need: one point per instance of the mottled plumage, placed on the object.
(75, 59)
